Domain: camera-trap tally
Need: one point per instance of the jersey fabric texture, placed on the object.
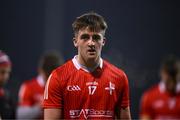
(31, 92)
(158, 103)
(82, 94)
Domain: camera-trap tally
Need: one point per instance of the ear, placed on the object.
(75, 42)
(104, 41)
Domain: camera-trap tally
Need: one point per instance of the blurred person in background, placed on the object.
(31, 91)
(163, 100)
(7, 107)
(87, 87)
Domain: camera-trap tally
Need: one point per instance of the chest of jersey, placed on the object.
(166, 107)
(89, 94)
(36, 94)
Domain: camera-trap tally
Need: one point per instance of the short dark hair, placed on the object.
(92, 20)
(50, 61)
(170, 65)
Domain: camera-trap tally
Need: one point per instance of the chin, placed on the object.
(91, 57)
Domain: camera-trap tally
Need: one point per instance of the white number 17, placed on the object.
(92, 89)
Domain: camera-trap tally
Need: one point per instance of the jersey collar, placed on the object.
(162, 87)
(40, 80)
(79, 66)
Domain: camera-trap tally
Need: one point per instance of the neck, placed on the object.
(172, 91)
(89, 63)
(171, 87)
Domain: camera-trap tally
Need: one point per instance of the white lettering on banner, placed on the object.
(90, 113)
(73, 88)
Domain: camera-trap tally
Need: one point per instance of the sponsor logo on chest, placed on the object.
(86, 113)
(73, 88)
(170, 103)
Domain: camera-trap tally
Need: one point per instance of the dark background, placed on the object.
(140, 33)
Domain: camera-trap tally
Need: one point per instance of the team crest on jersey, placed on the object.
(110, 88)
(73, 88)
(158, 104)
(172, 103)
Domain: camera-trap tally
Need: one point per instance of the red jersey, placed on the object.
(160, 104)
(31, 92)
(82, 94)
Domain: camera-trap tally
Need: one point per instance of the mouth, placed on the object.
(91, 51)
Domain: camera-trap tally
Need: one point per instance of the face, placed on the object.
(164, 76)
(89, 44)
(4, 74)
(168, 80)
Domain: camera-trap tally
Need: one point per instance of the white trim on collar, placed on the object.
(162, 87)
(78, 65)
(40, 80)
(178, 87)
(101, 63)
(75, 62)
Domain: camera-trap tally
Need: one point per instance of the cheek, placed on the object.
(1, 78)
(99, 45)
(82, 44)
(165, 77)
(81, 49)
(4, 76)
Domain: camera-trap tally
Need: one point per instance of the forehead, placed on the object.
(90, 32)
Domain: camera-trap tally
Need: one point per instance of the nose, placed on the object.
(91, 42)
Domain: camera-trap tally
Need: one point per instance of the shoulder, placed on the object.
(114, 70)
(62, 73)
(26, 87)
(151, 92)
(64, 69)
(30, 82)
(152, 89)
(65, 66)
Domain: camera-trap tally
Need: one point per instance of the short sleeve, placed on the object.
(145, 106)
(53, 92)
(125, 92)
(25, 96)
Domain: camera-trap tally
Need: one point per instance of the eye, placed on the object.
(85, 37)
(96, 37)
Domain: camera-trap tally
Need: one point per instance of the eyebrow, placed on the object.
(84, 36)
(94, 36)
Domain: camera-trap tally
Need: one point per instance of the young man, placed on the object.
(87, 87)
(31, 91)
(163, 101)
(7, 107)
